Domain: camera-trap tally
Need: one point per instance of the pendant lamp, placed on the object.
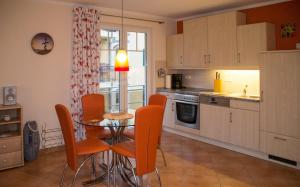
(121, 61)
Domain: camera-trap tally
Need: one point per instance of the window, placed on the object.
(109, 79)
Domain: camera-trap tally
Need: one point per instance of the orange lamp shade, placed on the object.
(121, 62)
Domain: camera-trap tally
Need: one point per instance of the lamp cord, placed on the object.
(122, 27)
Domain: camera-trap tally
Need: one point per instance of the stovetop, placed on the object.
(192, 91)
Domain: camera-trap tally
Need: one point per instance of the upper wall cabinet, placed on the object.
(195, 43)
(175, 51)
(210, 42)
(253, 39)
(222, 38)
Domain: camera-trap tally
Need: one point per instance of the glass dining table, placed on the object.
(116, 128)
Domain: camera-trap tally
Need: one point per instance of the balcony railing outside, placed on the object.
(136, 98)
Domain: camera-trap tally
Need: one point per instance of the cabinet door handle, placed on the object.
(278, 138)
(181, 59)
(208, 61)
(261, 96)
(230, 117)
(239, 58)
(205, 59)
(172, 107)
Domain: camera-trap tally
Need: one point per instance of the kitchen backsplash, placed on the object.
(234, 81)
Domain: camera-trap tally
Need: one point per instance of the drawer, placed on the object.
(9, 145)
(282, 146)
(246, 105)
(10, 159)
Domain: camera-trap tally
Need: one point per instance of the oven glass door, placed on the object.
(186, 112)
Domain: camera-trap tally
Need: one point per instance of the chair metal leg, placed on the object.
(108, 169)
(115, 167)
(163, 155)
(132, 170)
(61, 184)
(158, 176)
(93, 162)
(79, 168)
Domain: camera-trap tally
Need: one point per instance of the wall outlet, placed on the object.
(297, 45)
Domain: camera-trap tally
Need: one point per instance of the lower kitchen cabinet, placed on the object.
(237, 125)
(244, 128)
(214, 122)
(280, 146)
(169, 115)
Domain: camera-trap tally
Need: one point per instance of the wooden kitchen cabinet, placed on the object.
(280, 93)
(253, 39)
(214, 122)
(222, 38)
(244, 128)
(175, 51)
(280, 146)
(195, 43)
(169, 115)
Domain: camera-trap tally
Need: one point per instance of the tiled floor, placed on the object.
(190, 163)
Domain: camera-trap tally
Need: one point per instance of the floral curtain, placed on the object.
(85, 62)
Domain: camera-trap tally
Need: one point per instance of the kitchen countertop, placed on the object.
(200, 91)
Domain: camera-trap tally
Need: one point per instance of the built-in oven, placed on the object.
(187, 110)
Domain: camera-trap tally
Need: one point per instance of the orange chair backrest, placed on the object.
(158, 99)
(92, 106)
(67, 128)
(161, 100)
(148, 124)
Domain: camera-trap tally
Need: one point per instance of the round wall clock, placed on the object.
(42, 43)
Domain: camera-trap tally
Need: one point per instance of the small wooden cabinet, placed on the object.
(175, 51)
(11, 137)
(253, 39)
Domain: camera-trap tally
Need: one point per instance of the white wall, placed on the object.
(43, 81)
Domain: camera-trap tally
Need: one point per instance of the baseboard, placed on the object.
(231, 147)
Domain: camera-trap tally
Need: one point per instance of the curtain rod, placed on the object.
(159, 22)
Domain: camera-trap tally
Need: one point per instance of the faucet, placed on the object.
(245, 90)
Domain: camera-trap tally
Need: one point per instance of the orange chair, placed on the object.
(155, 99)
(88, 147)
(143, 148)
(93, 108)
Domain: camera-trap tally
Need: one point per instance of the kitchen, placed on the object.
(224, 93)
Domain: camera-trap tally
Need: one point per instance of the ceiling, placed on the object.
(170, 8)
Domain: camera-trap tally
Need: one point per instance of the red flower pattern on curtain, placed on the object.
(85, 74)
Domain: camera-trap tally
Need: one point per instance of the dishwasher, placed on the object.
(215, 100)
(214, 117)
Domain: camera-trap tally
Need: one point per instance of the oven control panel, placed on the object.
(187, 98)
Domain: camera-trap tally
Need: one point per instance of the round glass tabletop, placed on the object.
(107, 123)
